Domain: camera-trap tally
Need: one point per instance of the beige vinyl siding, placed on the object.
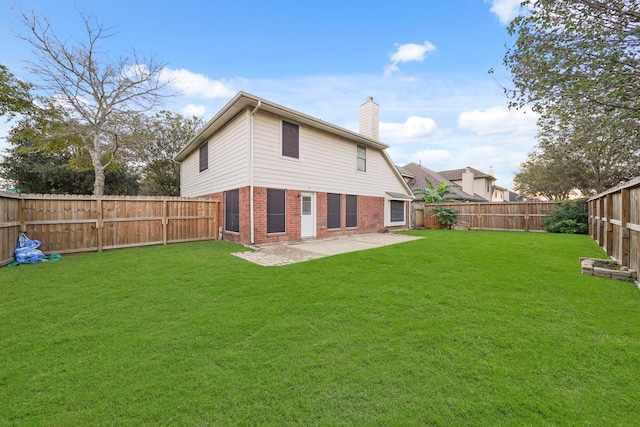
(327, 163)
(480, 187)
(228, 161)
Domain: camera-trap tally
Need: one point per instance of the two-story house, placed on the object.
(472, 181)
(282, 175)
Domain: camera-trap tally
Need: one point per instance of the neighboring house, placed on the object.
(416, 175)
(282, 175)
(500, 194)
(472, 181)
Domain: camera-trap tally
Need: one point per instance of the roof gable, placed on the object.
(243, 100)
(456, 174)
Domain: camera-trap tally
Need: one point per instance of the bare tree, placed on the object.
(97, 93)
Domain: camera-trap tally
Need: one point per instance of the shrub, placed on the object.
(445, 216)
(569, 216)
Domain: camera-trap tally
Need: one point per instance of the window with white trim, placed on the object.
(361, 154)
(232, 210)
(333, 211)
(290, 140)
(397, 211)
(276, 203)
(352, 211)
(204, 157)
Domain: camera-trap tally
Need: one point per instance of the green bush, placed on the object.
(445, 216)
(569, 216)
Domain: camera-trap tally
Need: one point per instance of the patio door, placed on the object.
(308, 221)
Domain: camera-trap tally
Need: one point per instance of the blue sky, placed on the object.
(424, 62)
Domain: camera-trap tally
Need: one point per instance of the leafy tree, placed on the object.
(580, 149)
(97, 95)
(546, 176)
(34, 171)
(57, 166)
(166, 133)
(15, 95)
(577, 63)
(433, 194)
(439, 194)
(577, 52)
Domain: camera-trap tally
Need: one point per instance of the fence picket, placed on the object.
(81, 223)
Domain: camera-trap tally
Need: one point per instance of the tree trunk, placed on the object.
(98, 183)
(98, 167)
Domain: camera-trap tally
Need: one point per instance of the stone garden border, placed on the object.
(619, 274)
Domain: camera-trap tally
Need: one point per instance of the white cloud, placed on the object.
(193, 110)
(506, 10)
(406, 53)
(413, 129)
(498, 120)
(198, 85)
(432, 157)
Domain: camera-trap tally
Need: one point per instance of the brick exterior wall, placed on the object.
(370, 217)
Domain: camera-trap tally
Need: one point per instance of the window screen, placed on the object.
(275, 211)
(333, 210)
(362, 158)
(204, 157)
(352, 211)
(290, 140)
(397, 211)
(232, 210)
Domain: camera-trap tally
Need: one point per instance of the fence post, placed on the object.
(21, 215)
(99, 223)
(601, 221)
(608, 226)
(626, 217)
(165, 221)
(216, 209)
(590, 218)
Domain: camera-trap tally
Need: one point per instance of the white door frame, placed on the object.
(307, 219)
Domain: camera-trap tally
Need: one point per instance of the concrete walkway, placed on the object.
(292, 252)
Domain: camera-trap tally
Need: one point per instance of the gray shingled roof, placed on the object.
(456, 174)
(417, 175)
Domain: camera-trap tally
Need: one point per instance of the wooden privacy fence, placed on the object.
(614, 222)
(513, 216)
(69, 223)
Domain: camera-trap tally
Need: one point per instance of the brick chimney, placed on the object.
(369, 119)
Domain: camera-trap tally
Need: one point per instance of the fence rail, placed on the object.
(614, 222)
(513, 216)
(69, 223)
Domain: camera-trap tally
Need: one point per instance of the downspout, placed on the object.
(251, 143)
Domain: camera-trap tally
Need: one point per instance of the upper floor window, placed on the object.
(362, 158)
(204, 157)
(290, 140)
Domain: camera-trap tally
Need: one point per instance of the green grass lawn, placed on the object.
(458, 328)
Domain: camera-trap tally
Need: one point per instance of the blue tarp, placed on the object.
(27, 252)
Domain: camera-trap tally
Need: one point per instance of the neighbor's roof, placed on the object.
(419, 173)
(456, 174)
(243, 100)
